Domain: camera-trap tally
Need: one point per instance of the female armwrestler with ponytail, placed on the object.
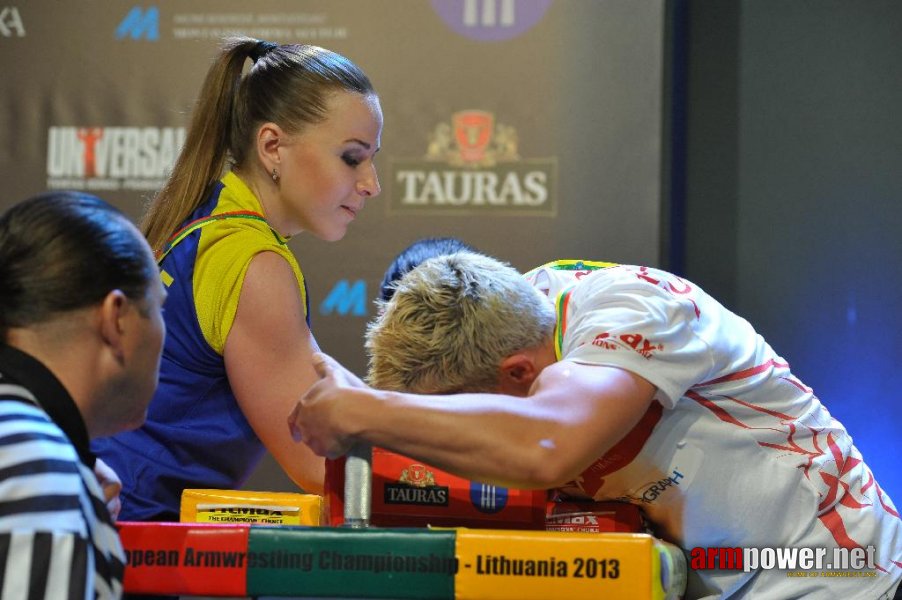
(285, 148)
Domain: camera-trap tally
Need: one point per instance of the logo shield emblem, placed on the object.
(417, 475)
(473, 132)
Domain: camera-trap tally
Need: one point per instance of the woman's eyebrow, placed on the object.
(365, 145)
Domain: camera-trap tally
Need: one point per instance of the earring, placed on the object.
(275, 175)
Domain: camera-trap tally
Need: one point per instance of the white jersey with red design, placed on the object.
(734, 451)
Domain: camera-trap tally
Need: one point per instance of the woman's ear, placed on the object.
(270, 137)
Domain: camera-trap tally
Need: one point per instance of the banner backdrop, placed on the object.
(532, 129)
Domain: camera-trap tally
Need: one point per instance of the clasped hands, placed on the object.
(319, 419)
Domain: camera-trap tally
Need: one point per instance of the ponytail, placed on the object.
(202, 159)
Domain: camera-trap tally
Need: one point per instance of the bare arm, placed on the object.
(268, 358)
(573, 414)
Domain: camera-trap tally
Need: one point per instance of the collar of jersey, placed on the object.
(562, 300)
(247, 200)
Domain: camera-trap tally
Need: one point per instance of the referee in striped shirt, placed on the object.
(81, 332)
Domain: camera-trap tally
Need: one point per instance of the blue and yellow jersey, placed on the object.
(231, 232)
(195, 434)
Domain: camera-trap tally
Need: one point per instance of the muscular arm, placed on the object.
(268, 358)
(573, 414)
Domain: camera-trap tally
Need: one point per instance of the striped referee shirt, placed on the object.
(56, 536)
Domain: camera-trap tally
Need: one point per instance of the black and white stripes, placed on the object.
(56, 537)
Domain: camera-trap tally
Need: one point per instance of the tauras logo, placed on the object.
(111, 157)
(401, 493)
(472, 165)
(416, 485)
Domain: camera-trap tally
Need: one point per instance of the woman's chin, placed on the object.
(331, 235)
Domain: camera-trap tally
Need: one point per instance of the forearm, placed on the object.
(571, 416)
(492, 438)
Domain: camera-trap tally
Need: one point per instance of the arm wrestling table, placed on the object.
(357, 560)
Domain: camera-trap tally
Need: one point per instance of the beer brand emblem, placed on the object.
(417, 475)
(473, 139)
(472, 165)
(473, 130)
(416, 486)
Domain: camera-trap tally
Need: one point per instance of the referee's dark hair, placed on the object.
(413, 255)
(62, 251)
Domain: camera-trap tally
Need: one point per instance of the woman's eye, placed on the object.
(351, 161)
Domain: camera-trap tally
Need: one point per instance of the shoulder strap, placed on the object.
(193, 226)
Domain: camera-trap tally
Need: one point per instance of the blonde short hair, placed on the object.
(451, 322)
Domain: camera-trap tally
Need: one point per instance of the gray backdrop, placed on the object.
(533, 129)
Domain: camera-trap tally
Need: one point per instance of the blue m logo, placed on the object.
(140, 23)
(346, 298)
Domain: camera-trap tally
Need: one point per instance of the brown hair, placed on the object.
(287, 85)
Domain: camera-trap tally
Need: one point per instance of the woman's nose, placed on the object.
(369, 187)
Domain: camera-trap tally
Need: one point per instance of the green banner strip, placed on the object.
(351, 563)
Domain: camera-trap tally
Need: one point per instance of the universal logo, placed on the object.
(416, 485)
(472, 165)
(111, 158)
